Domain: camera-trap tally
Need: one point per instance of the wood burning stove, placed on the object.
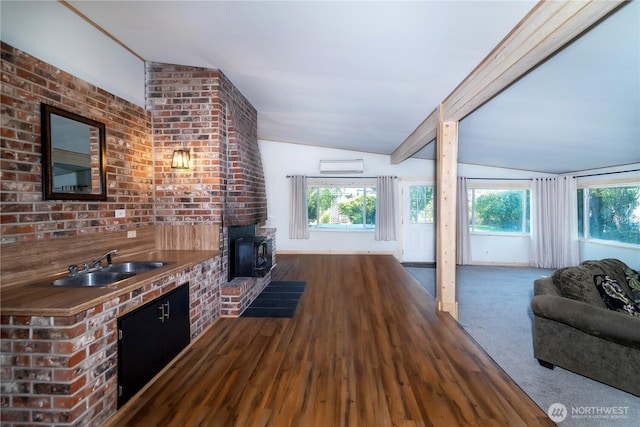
(252, 256)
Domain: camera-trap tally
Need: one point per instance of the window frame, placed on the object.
(428, 203)
(583, 211)
(525, 188)
(360, 185)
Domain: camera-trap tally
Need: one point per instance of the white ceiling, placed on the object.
(362, 75)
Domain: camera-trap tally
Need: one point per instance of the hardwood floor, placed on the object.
(366, 347)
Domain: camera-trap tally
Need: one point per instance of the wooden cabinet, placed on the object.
(149, 338)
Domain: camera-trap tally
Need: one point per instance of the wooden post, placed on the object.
(447, 170)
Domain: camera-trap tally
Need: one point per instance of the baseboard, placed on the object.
(449, 307)
(419, 264)
(406, 264)
(501, 264)
(333, 252)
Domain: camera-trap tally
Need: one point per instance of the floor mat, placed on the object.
(278, 299)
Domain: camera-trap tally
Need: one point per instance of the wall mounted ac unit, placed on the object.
(342, 166)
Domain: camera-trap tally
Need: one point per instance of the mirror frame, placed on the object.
(47, 162)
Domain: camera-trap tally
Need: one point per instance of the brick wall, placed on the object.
(187, 106)
(186, 112)
(24, 216)
(62, 370)
(200, 109)
(246, 190)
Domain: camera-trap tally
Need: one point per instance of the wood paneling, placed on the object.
(366, 347)
(32, 260)
(189, 237)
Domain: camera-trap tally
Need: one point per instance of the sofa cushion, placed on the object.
(577, 283)
(633, 280)
(614, 296)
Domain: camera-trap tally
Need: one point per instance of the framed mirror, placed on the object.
(73, 156)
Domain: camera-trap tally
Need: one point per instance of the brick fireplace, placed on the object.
(238, 293)
(200, 109)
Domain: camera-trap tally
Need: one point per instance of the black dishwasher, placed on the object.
(149, 338)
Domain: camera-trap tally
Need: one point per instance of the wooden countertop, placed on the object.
(42, 299)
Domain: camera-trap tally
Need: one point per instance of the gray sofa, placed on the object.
(578, 329)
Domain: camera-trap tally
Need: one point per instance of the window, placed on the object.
(610, 213)
(341, 208)
(421, 202)
(499, 210)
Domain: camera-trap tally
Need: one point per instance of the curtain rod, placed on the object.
(503, 179)
(348, 177)
(606, 173)
(575, 176)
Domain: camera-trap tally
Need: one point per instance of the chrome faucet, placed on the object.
(96, 263)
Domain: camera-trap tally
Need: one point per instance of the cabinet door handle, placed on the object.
(162, 315)
(166, 313)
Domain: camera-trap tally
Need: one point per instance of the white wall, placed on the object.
(282, 159)
(503, 249)
(52, 33)
(496, 248)
(599, 250)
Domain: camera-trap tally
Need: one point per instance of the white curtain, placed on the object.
(298, 214)
(386, 218)
(463, 242)
(554, 217)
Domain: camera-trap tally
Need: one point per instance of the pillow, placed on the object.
(577, 283)
(614, 268)
(633, 280)
(614, 297)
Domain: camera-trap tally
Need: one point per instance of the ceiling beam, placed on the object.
(99, 28)
(548, 27)
(425, 132)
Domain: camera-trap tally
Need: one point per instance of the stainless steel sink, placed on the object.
(95, 279)
(135, 266)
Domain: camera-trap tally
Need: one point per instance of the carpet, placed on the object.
(278, 299)
(494, 308)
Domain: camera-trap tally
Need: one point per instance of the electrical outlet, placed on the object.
(131, 234)
(120, 213)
